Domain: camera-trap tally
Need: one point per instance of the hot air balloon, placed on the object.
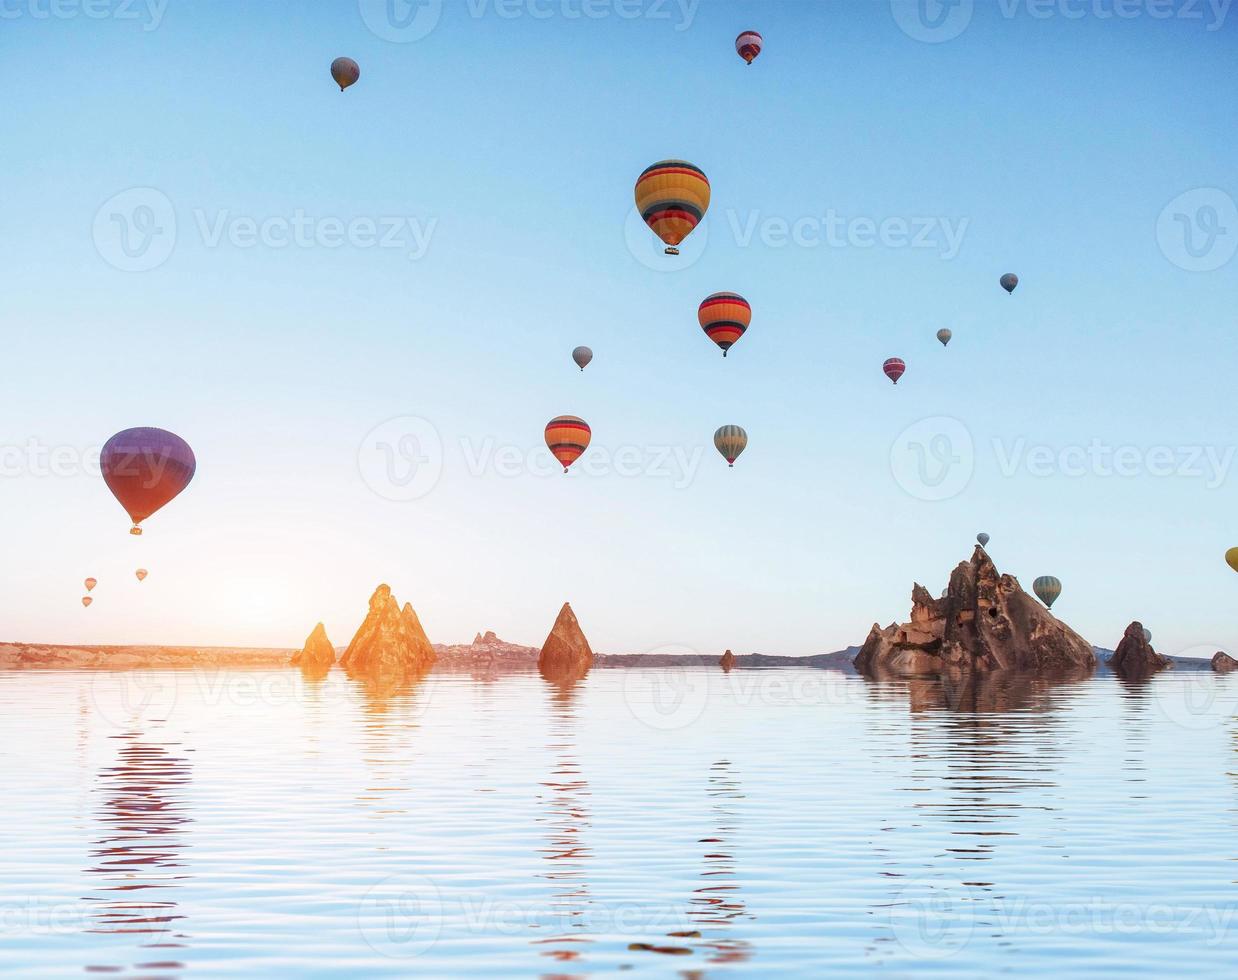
(672, 197)
(345, 71)
(944, 336)
(1009, 281)
(894, 368)
(730, 440)
(983, 539)
(724, 317)
(1231, 558)
(748, 45)
(141, 573)
(1048, 588)
(1147, 635)
(567, 437)
(145, 468)
(90, 584)
(86, 600)
(582, 356)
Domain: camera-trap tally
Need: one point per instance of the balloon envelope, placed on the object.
(1048, 588)
(672, 197)
(894, 368)
(1147, 635)
(1009, 281)
(724, 317)
(141, 573)
(730, 440)
(1231, 558)
(748, 45)
(582, 356)
(345, 71)
(983, 539)
(944, 336)
(567, 437)
(145, 468)
(86, 600)
(90, 583)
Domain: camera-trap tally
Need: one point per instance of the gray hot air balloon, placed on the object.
(1147, 635)
(345, 71)
(1009, 281)
(944, 336)
(582, 356)
(730, 440)
(1048, 588)
(983, 539)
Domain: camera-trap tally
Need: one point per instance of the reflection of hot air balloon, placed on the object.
(567, 437)
(944, 336)
(748, 45)
(983, 539)
(1231, 558)
(672, 197)
(730, 440)
(86, 600)
(1009, 281)
(724, 317)
(90, 584)
(582, 356)
(894, 368)
(145, 468)
(345, 71)
(1048, 588)
(141, 573)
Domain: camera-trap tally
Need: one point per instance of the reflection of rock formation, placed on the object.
(317, 656)
(389, 726)
(566, 654)
(985, 621)
(1223, 663)
(717, 903)
(137, 862)
(973, 691)
(565, 798)
(1134, 657)
(727, 662)
(389, 641)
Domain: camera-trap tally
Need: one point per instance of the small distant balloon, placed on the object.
(1231, 558)
(672, 197)
(86, 600)
(90, 584)
(944, 336)
(748, 45)
(141, 573)
(582, 356)
(345, 71)
(724, 317)
(730, 441)
(1009, 281)
(567, 437)
(983, 539)
(1048, 588)
(145, 468)
(1147, 635)
(894, 368)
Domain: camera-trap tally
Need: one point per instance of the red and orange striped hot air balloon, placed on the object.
(567, 437)
(672, 197)
(748, 45)
(724, 317)
(894, 368)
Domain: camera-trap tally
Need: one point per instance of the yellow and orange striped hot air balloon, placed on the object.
(567, 437)
(724, 317)
(672, 197)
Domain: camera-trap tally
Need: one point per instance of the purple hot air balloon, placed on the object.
(145, 468)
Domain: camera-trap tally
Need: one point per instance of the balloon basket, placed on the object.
(135, 530)
(671, 250)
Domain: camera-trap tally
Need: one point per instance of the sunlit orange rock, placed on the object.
(317, 654)
(728, 661)
(566, 653)
(389, 639)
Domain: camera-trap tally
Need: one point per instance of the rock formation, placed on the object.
(318, 654)
(1135, 656)
(728, 661)
(1223, 663)
(566, 653)
(389, 640)
(985, 621)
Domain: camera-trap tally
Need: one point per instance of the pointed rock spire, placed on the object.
(318, 653)
(566, 652)
(728, 661)
(388, 639)
(1135, 656)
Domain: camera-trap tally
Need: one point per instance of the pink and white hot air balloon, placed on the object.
(748, 45)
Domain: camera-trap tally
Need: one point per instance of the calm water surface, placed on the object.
(661, 823)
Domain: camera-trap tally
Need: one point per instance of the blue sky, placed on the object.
(1057, 146)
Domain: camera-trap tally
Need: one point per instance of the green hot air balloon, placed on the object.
(730, 441)
(1231, 558)
(1048, 588)
(944, 335)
